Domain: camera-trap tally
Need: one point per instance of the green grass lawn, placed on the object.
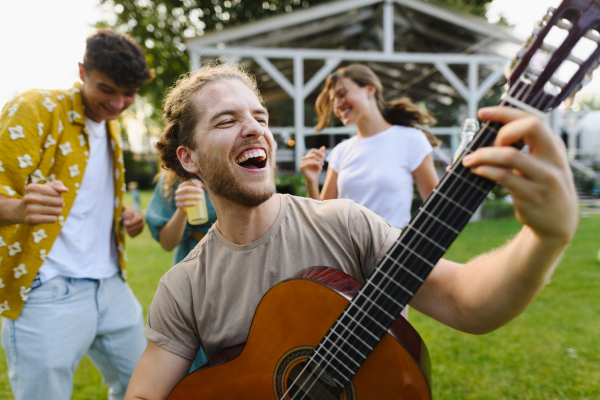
(552, 351)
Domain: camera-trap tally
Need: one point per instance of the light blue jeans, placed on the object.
(61, 321)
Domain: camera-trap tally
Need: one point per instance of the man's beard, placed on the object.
(220, 179)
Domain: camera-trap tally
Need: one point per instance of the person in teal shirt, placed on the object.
(167, 220)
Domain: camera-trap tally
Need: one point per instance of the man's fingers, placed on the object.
(41, 219)
(519, 125)
(504, 157)
(58, 186)
(44, 210)
(518, 185)
(501, 114)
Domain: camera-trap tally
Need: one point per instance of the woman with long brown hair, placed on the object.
(378, 166)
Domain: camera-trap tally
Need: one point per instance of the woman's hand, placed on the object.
(188, 193)
(312, 163)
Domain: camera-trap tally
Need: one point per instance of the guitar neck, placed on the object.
(405, 267)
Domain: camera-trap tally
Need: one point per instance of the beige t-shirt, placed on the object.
(210, 297)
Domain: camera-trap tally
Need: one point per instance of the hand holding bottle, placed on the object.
(190, 198)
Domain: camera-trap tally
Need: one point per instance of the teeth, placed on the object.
(259, 153)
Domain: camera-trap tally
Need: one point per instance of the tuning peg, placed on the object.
(549, 14)
(587, 78)
(568, 102)
(571, 98)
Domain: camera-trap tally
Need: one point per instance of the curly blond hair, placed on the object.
(181, 114)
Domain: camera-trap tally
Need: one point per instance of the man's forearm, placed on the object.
(496, 288)
(9, 210)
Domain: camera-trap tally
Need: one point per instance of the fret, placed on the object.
(453, 172)
(328, 365)
(339, 349)
(428, 239)
(404, 268)
(430, 215)
(396, 283)
(370, 317)
(453, 202)
(426, 261)
(523, 106)
(352, 333)
(356, 322)
(360, 294)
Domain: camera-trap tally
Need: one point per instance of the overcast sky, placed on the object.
(43, 40)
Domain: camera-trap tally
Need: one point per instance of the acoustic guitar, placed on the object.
(323, 335)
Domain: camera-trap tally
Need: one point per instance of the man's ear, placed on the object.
(186, 158)
(81, 72)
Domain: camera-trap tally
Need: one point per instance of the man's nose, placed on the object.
(253, 129)
(117, 103)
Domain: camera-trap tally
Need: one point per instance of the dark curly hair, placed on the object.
(181, 113)
(118, 56)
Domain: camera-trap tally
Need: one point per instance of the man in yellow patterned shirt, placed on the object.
(62, 224)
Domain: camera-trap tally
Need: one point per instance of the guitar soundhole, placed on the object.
(297, 381)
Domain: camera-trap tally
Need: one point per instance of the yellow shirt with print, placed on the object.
(43, 138)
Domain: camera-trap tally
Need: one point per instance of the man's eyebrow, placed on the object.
(106, 86)
(262, 111)
(112, 88)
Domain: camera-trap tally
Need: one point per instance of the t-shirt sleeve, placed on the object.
(371, 235)
(419, 149)
(159, 210)
(171, 323)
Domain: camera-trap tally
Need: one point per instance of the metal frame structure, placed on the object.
(300, 22)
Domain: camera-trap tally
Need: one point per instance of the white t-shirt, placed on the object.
(86, 246)
(376, 171)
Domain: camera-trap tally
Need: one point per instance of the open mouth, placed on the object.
(344, 113)
(252, 159)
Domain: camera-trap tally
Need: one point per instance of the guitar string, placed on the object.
(541, 101)
(408, 248)
(370, 280)
(360, 322)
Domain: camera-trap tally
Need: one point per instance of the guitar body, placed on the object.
(290, 321)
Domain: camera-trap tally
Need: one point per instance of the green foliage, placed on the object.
(477, 7)
(291, 183)
(139, 169)
(161, 26)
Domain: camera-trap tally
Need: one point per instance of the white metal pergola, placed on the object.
(259, 42)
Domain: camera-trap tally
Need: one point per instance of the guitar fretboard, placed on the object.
(404, 268)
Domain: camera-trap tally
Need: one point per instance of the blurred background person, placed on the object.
(378, 166)
(167, 219)
(63, 224)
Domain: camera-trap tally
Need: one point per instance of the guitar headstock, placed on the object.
(545, 73)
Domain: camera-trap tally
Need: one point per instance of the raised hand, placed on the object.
(188, 193)
(42, 203)
(541, 182)
(312, 163)
(133, 221)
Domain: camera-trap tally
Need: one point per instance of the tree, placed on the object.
(161, 26)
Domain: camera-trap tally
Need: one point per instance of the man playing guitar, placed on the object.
(217, 130)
